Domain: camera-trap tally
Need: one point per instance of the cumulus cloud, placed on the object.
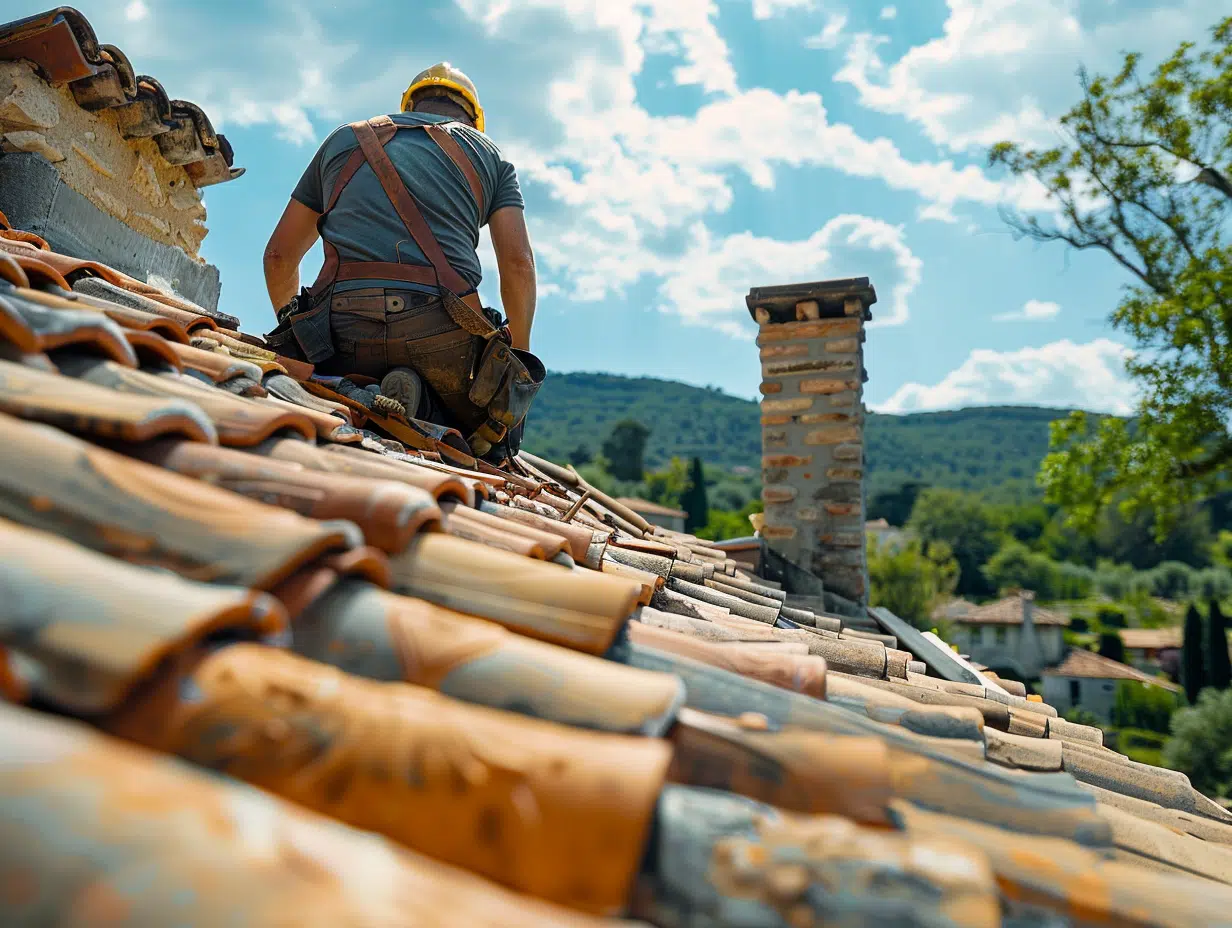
(707, 284)
(1032, 311)
(1004, 69)
(830, 33)
(765, 9)
(1090, 376)
(888, 12)
(136, 11)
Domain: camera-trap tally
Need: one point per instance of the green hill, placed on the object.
(995, 450)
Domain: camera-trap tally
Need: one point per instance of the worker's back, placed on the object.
(364, 226)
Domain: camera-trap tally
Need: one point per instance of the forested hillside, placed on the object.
(994, 450)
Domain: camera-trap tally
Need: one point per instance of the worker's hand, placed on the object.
(515, 263)
(295, 233)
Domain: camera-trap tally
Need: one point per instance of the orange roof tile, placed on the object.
(1082, 663)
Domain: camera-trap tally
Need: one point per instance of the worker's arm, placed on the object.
(295, 233)
(515, 263)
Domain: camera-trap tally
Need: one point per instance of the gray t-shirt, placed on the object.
(363, 225)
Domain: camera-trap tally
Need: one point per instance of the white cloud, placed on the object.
(888, 12)
(1065, 374)
(136, 11)
(1032, 311)
(1004, 69)
(765, 9)
(707, 284)
(830, 32)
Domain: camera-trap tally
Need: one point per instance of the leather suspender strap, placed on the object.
(373, 135)
(449, 145)
(404, 204)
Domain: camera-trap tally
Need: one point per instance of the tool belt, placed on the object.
(503, 379)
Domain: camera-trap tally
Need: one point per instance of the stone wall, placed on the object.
(128, 179)
(811, 340)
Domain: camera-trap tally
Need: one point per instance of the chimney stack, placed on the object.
(812, 355)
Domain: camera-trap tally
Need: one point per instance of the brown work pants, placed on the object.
(375, 330)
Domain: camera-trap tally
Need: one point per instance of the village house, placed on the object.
(1089, 680)
(1012, 635)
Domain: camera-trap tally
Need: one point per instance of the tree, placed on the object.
(1138, 176)
(967, 526)
(1218, 665)
(625, 449)
(895, 505)
(1111, 647)
(667, 487)
(909, 580)
(693, 500)
(1193, 665)
(580, 455)
(1201, 743)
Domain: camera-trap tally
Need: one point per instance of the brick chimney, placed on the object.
(812, 362)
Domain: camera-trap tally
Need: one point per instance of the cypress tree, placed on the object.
(693, 501)
(1218, 666)
(1193, 666)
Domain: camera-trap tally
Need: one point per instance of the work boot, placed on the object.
(404, 386)
(357, 394)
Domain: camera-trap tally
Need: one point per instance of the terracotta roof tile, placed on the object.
(397, 557)
(1007, 611)
(62, 45)
(647, 508)
(1082, 663)
(1151, 638)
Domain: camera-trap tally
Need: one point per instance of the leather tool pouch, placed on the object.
(309, 321)
(506, 381)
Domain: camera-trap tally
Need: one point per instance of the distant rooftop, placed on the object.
(1088, 664)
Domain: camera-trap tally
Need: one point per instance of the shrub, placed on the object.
(1201, 743)
(1143, 707)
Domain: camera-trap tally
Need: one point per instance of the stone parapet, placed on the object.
(811, 341)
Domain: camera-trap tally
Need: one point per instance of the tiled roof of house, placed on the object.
(1007, 611)
(63, 48)
(1083, 663)
(556, 712)
(646, 507)
(1151, 638)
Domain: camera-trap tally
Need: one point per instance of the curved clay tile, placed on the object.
(63, 47)
(12, 272)
(148, 113)
(388, 513)
(812, 773)
(90, 804)
(147, 515)
(370, 632)
(94, 627)
(582, 610)
(102, 291)
(280, 386)
(557, 813)
(808, 870)
(1062, 877)
(790, 672)
(347, 459)
(62, 328)
(550, 544)
(495, 538)
(152, 350)
(97, 411)
(328, 427)
(240, 422)
(579, 538)
(219, 368)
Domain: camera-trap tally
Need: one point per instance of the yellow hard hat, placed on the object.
(450, 79)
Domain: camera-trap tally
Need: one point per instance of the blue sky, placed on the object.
(675, 153)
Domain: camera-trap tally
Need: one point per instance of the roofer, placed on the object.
(398, 202)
